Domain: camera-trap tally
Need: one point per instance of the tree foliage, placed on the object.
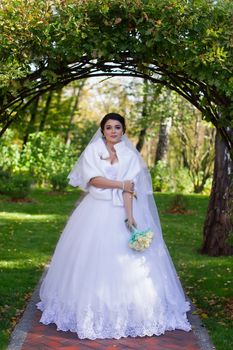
(194, 147)
(184, 45)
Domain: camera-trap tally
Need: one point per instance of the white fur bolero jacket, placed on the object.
(92, 165)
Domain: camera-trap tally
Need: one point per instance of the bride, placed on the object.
(96, 285)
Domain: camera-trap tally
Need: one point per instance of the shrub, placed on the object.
(43, 156)
(166, 179)
(182, 182)
(15, 185)
(9, 152)
(160, 177)
(4, 175)
(59, 181)
(46, 155)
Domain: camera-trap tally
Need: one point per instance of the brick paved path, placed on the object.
(30, 334)
(41, 337)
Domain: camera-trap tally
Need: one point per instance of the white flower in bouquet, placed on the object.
(140, 240)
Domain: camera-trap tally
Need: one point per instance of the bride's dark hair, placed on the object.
(113, 116)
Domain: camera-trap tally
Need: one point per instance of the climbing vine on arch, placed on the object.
(183, 45)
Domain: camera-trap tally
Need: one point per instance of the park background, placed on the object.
(178, 140)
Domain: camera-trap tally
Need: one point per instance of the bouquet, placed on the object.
(140, 240)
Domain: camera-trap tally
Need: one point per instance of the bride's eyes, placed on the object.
(118, 127)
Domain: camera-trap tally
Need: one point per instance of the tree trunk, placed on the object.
(184, 159)
(219, 223)
(162, 146)
(141, 139)
(46, 110)
(72, 115)
(142, 134)
(31, 124)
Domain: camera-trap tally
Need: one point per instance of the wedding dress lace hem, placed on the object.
(101, 323)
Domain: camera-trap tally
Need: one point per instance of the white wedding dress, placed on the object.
(98, 287)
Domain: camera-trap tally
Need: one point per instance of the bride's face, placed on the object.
(113, 131)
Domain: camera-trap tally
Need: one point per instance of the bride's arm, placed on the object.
(102, 182)
(128, 204)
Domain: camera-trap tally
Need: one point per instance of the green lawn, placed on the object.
(29, 232)
(207, 280)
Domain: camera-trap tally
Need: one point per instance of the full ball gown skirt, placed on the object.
(98, 287)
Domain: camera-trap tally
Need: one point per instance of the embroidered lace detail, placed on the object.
(102, 323)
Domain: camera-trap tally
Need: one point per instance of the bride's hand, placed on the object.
(129, 186)
(131, 222)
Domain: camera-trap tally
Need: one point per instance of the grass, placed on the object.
(29, 232)
(207, 280)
